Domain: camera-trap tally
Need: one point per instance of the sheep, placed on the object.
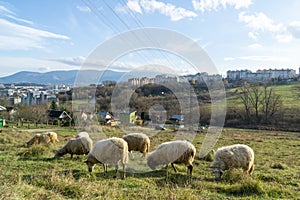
(174, 152)
(43, 138)
(138, 142)
(234, 156)
(82, 134)
(53, 137)
(109, 151)
(77, 146)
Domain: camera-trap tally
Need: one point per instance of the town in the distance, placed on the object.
(35, 94)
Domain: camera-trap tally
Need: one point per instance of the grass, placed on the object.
(31, 173)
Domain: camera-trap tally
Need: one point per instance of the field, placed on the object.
(30, 173)
(288, 92)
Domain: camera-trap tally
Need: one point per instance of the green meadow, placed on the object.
(31, 173)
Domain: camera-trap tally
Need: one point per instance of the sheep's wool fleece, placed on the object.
(169, 152)
(237, 155)
(86, 142)
(82, 134)
(110, 150)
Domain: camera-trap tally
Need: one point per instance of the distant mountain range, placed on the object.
(77, 76)
(62, 77)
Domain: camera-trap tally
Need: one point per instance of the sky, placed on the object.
(49, 35)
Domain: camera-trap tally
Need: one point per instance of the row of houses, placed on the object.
(30, 95)
(232, 75)
(131, 118)
(199, 78)
(261, 75)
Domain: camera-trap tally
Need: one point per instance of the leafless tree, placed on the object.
(260, 102)
(272, 104)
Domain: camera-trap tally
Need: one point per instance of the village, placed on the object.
(50, 97)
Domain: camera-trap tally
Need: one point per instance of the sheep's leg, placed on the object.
(116, 171)
(105, 168)
(166, 168)
(190, 170)
(71, 156)
(251, 169)
(124, 171)
(174, 167)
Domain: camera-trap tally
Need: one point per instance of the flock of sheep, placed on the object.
(114, 150)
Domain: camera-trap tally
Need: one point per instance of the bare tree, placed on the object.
(272, 104)
(260, 103)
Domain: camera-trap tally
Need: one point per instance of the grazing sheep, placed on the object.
(53, 137)
(77, 146)
(82, 134)
(138, 142)
(234, 156)
(109, 151)
(174, 152)
(43, 138)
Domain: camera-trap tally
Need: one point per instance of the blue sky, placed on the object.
(236, 34)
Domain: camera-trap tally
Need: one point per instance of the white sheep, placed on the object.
(109, 151)
(138, 142)
(234, 156)
(174, 152)
(53, 136)
(77, 146)
(82, 134)
(43, 138)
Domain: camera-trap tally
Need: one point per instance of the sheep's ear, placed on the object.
(222, 171)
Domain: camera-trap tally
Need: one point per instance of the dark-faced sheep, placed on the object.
(138, 142)
(174, 152)
(234, 156)
(109, 151)
(75, 146)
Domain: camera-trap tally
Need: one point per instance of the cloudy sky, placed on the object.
(236, 34)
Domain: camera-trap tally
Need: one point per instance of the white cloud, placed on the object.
(74, 61)
(284, 38)
(294, 28)
(253, 35)
(11, 15)
(255, 46)
(258, 58)
(19, 37)
(17, 64)
(208, 5)
(259, 22)
(83, 8)
(134, 6)
(5, 10)
(167, 9)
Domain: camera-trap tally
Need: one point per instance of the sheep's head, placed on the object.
(218, 173)
(90, 165)
(151, 163)
(58, 153)
(90, 162)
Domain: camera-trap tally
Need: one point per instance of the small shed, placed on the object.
(128, 117)
(61, 116)
(2, 120)
(177, 119)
